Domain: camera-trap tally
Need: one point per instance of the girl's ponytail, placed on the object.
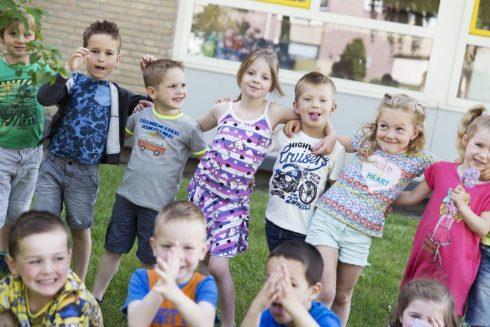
(467, 128)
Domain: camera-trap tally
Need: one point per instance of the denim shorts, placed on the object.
(63, 181)
(353, 245)
(478, 310)
(276, 235)
(18, 174)
(129, 220)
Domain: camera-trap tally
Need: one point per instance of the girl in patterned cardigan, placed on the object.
(388, 155)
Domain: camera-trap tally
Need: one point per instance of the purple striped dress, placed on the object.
(224, 179)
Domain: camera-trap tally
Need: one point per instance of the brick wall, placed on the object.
(146, 26)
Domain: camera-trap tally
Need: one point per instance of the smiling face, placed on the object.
(103, 56)
(419, 312)
(15, 38)
(171, 92)
(300, 287)
(257, 79)
(395, 129)
(186, 238)
(314, 105)
(477, 149)
(42, 263)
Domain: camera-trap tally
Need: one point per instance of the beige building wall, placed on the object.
(146, 26)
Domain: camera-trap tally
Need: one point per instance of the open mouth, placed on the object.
(99, 68)
(47, 282)
(314, 116)
(276, 309)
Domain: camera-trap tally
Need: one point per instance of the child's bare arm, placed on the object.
(263, 299)
(485, 174)
(326, 145)
(346, 142)
(414, 196)
(7, 319)
(195, 314)
(479, 225)
(141, 312)
(210, 119)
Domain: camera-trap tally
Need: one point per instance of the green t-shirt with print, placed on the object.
(21, 116)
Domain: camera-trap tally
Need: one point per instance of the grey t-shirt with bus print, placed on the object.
(161, 147)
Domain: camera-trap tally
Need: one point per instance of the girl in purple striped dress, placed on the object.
(223, 181)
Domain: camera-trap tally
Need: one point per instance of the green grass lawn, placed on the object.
(374, 295)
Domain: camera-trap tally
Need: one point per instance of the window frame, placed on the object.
(448, 45)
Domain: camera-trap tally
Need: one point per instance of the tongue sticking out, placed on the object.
(314, 116)
(277, 309)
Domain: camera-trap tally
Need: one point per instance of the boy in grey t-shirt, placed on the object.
(163, 139)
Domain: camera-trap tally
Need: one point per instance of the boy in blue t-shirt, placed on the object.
(173, 293)
(87, 130)
(294, 270)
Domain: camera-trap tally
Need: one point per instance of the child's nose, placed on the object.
(48, 267)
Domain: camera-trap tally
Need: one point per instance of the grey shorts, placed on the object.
(18, 174)
(62, 181)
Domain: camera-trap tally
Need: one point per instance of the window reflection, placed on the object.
(411, 12)
(475, 76)
(483, 18)
(305, 45)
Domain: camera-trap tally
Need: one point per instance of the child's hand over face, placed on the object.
(268, 293)
(458, 196)
(168, 271)
(485, 174)
(78, 58)
(291, 127)
(145, 60)
(285, 295)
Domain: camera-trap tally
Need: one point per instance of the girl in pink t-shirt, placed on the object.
(446, 245)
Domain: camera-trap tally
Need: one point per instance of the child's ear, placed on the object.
(153, 244)
(295, 107)
(464, 140)
(315, 290)
(205, 249)
(151, 92)
(11, 264)
(334, 108)
(415, 135)
(118, 59)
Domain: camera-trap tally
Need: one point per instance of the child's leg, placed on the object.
(21, 182)
(220, 269)
(347, 276)
(478, 308)
(119, 239)
(80, 193)
(108, 267)
(330, 257)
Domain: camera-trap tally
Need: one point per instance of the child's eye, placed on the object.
(165, 246)
(382, 126)
(400, 130)
(34, 262)
(109, 53)
(188, 248)
(183, 85)
(94, 51)
(266, 78)
(59, 259)
(415, 315)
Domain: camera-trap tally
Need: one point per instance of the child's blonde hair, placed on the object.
(397, 102)
(155, 71)
(271, 58)
(33, 25)
(180, 210)
(426, 290)
(477, 117)
(313, 78)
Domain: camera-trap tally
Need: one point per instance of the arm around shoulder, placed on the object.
(210, 119)
(346, 142)
(414, 196)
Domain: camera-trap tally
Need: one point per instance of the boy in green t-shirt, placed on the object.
(21, 127)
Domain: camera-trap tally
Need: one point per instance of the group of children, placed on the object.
(319, 243)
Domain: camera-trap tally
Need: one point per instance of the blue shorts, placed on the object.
(276, 235)
(129, 220)
(478, 309)
(65, 181)
(353, 245)
(18, 174)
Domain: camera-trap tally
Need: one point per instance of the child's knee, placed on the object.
(327, 296)
(343, 297)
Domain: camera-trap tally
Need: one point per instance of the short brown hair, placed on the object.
(30, 223)
(102, 27)
(307, 254)
(180, 210)
(155, 72)
(313, 78)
